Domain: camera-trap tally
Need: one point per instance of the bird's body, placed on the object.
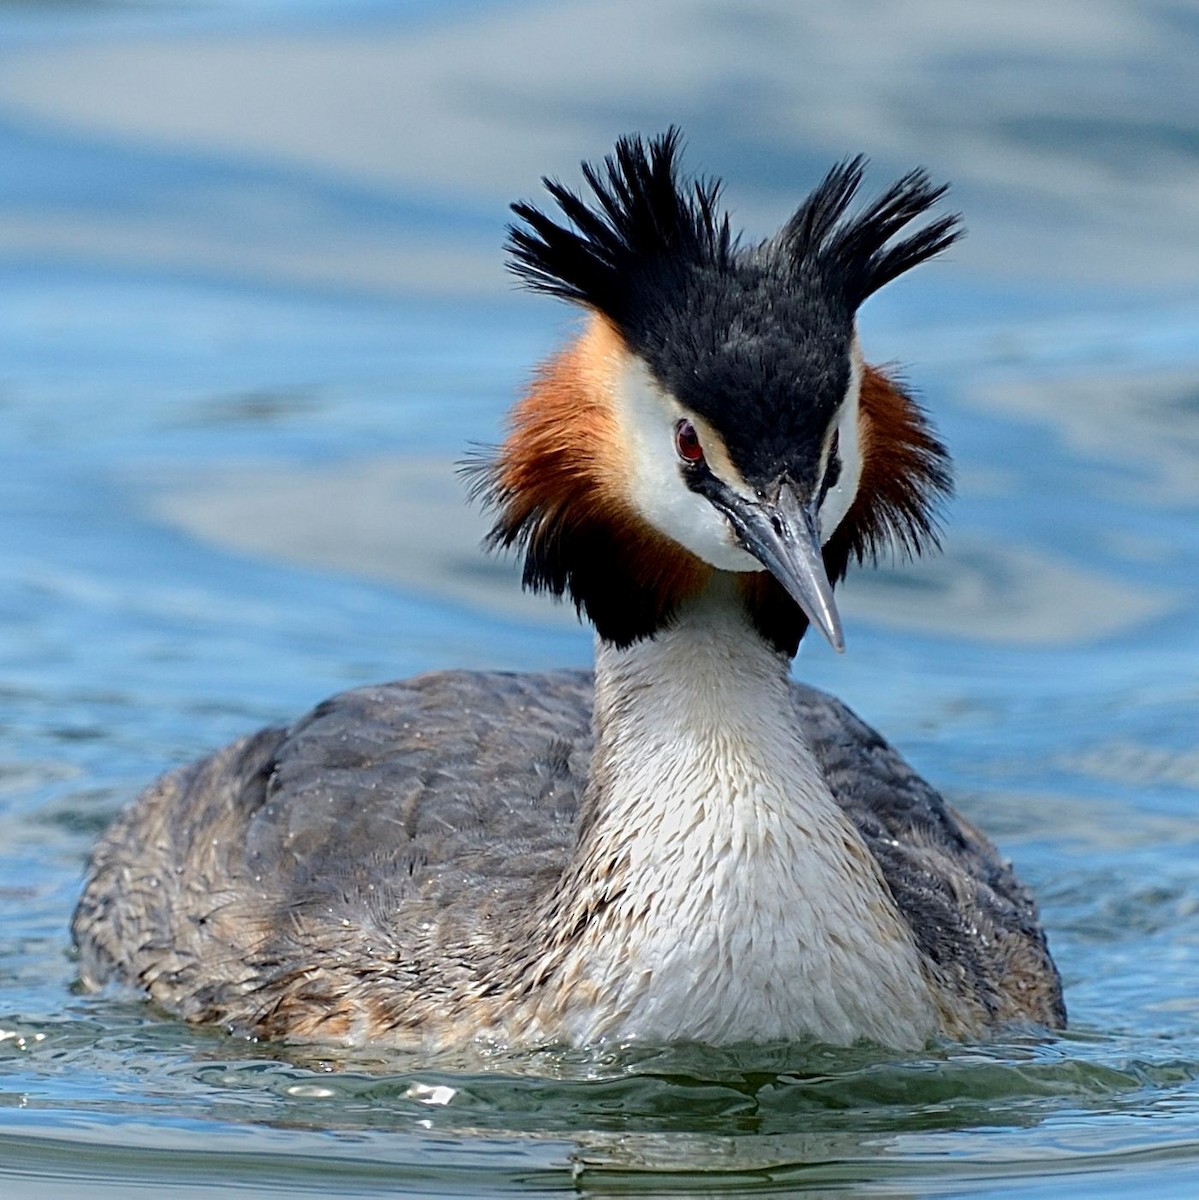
(691, 847)
(391, 868)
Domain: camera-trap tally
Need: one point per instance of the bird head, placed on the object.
(716, 412)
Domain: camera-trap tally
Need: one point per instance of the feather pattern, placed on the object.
(646, 221)
(379, 869)
(855, 250)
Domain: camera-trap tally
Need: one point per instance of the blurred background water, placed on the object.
(252, 307)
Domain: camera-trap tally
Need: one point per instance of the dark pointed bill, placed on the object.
(785, 538)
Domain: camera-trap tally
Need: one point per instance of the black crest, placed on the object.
(855, 252)
(644, 218)
(646, 229)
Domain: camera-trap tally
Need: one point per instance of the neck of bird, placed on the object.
(688, 717)
(716, 884)
(699, 767)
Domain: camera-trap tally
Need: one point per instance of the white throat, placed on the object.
(738, 902)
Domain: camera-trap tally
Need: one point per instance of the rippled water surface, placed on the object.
(251, 309)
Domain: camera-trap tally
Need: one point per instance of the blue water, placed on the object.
(216, 327)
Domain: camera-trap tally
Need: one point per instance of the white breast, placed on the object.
(749, 909)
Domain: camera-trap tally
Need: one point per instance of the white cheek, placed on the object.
(656, 483)
(840, 497)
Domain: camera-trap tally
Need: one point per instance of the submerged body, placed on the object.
(431, 861)
(688, 845)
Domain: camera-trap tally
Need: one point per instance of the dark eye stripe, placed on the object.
(832, 472)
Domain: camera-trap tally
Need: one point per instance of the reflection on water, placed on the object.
(253, 308)
(1143, 429)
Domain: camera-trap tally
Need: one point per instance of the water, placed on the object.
(251, 309)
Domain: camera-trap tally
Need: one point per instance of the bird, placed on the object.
(684, 844)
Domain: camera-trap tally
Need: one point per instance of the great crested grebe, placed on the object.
(690, 846)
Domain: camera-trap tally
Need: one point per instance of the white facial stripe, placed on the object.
(840, 496)
(647, 417)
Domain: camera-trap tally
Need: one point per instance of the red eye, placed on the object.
(686, 442)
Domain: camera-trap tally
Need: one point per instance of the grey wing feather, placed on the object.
(364, 851)
(971, 917)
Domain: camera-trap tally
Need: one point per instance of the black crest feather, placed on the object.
(643, 218)
(855, 251)
(645, 225)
